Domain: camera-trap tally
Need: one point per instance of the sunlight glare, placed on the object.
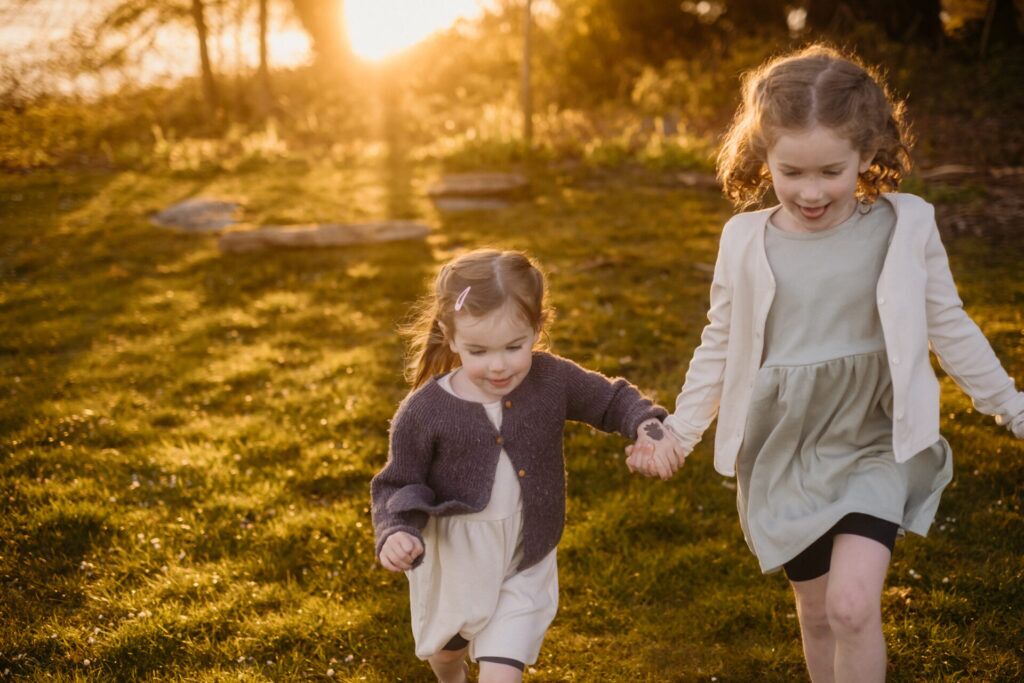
(381, 28)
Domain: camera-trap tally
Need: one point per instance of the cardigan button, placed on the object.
(522, 473)
(499, 440)
(881, 301)
(895, 360)
(508, 404)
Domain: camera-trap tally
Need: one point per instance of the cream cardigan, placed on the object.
(917, 303)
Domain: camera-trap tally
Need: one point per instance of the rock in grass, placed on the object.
(319, 235)
(479, 185)
(199, 215)
(698, 180)
(470, 203)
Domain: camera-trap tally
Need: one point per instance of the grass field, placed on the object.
(187, 439)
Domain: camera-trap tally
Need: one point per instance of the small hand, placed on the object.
(656, 453)
(399, 551)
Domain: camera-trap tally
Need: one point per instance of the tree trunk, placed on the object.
(526, 93)
(324, 21)
(1002, 24)
(209, 82)
(266, 96)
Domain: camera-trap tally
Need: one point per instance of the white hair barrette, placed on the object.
(462, 298)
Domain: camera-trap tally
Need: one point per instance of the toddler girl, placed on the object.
(816, 356)
(471, 502)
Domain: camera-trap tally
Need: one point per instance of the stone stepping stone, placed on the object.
(199, 215)
(698, 180)
(319, 235)
(455, 204)
(479, 185)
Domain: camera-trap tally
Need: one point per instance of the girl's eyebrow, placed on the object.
(517, 340)
(790, 167)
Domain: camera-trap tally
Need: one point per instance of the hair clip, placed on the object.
(462, 298)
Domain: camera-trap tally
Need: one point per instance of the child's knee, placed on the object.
(852, 610)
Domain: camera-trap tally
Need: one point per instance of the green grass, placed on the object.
(187, 440)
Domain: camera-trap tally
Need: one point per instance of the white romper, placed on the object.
(468, 585)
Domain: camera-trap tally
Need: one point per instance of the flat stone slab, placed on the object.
(319, 235)
(199, 215)
(455, 204)
(698, 180)
(478, 185)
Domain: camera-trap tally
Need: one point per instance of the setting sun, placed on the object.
(380, 28)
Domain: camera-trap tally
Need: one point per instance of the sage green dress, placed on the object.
(818, 439)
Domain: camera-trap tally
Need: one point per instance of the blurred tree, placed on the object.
(129, 25)
(209, 82)
(755, 16)
(266, 95)
(916, 21)
(324, 21)
(1002, 24)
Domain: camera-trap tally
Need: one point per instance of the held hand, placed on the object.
(656, 452)
(399, 551)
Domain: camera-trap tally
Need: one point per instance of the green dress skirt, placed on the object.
(818, 440)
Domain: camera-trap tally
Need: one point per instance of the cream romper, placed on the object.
(467, 584)
(818, 439)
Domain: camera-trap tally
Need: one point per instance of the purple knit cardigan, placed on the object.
(444, 450)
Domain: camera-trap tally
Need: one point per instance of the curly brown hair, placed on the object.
(818, 85)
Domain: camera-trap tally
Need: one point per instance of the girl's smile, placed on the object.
(814, 174)
(496, 351)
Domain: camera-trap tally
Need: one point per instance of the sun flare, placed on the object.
(380, 28)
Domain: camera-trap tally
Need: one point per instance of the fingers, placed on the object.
(399, 552)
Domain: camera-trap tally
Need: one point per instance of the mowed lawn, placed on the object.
(187, 439)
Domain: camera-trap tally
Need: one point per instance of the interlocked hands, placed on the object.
(656, 453)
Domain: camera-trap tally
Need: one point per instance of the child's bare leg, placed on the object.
(815, 631)
(493, 672)
(450, 666)
(854, 605)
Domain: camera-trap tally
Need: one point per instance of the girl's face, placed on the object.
(496, 352)
(814, 174)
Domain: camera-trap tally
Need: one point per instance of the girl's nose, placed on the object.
(810, 191)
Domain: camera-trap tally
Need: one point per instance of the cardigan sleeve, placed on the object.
(402, 480)
(962, 349)
(611, 405)
(698, 400)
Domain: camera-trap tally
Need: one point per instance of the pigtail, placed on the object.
(429, 352)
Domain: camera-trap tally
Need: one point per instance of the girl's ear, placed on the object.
(866, 160)
(449, 338)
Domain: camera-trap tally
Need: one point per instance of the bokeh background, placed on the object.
(187, 434)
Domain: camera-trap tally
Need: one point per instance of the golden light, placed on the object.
(381, 28)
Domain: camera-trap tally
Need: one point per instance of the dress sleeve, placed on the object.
(404, 477)
(962, 349)
(611, 405)
(698, 400)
